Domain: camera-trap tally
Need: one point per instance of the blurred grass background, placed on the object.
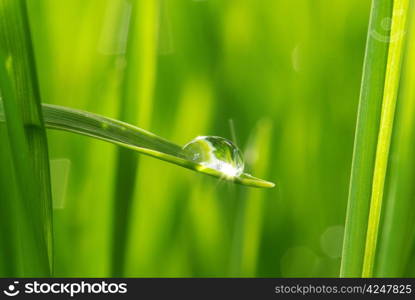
(284, 74)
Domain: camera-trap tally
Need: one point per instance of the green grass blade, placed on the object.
(136, 106)
(253, 209)
(134, 138)
(400, 11)
(397, 237)
(34, 247)
(21, 95)
(10, 262)
(367, 127)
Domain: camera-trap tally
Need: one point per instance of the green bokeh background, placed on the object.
(287, 73)
(279, 77)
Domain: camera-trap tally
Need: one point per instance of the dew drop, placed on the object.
(216, 153)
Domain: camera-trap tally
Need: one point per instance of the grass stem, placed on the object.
(370, 102)
(133, 138)
(20, 90)
(136, 106)
(397, 238)
(398, 31)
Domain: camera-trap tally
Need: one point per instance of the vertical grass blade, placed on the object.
(400, 11)
(32, 244)
(20, 90)
(136, 106)
(397, 237)
(254, 206)
(367, 127)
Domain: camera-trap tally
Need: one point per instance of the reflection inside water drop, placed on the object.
(216, 153)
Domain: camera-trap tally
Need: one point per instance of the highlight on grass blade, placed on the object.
(390, 94)
(27, 136)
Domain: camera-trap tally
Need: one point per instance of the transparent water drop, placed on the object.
(216, 153)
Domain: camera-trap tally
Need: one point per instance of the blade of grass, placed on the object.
(400, 11)
(367, 127)
(248, 227)
(397, 238)
(134, 138)
(23, 111)
(136, 105)
(170, 204)
(32, 239)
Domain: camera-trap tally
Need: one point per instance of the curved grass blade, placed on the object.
(129, 136)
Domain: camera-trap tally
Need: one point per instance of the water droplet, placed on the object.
(216, 153)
